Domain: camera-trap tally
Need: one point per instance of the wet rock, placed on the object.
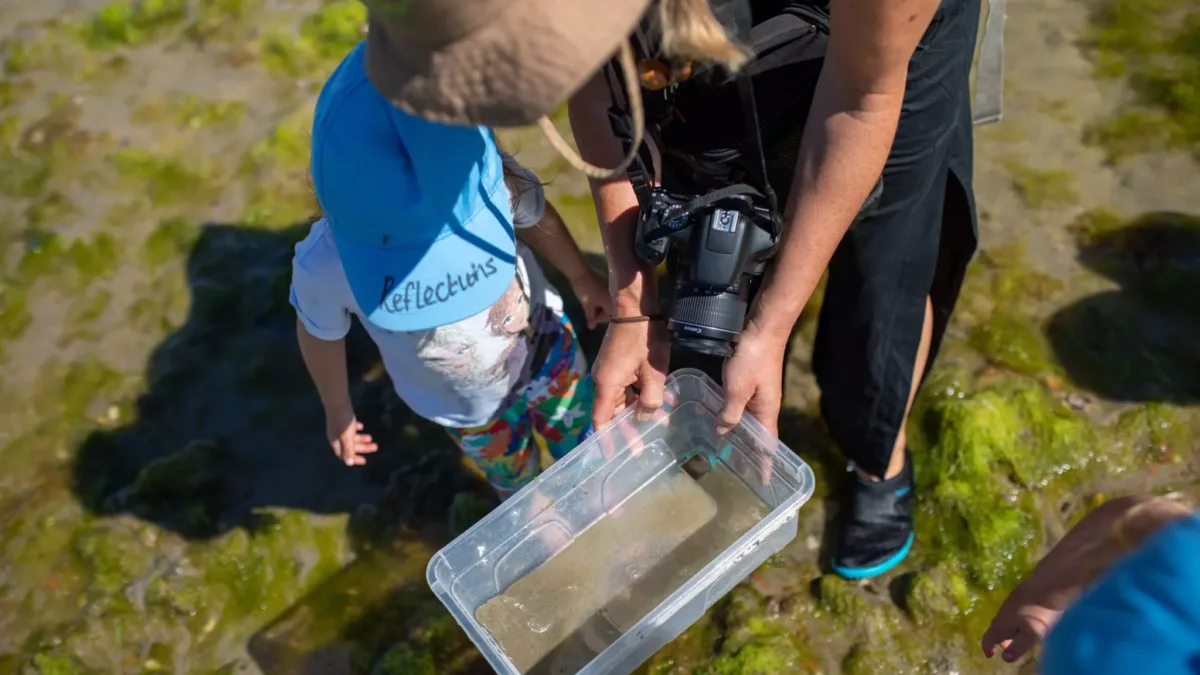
(467, 509)
(255, 574)
(112, 556)
(1153, 431)
(763, 656)
(403, 659)
(194, 486)
(44, 664)
(840, 598)
(1017, 426)
(938, 595)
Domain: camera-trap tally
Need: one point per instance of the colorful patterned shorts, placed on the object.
(553, 414)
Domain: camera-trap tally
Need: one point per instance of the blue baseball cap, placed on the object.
(419, 211)
(1141, 616)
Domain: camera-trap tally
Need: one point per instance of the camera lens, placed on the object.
(706, 319)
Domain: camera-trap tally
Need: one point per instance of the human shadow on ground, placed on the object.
(230, 424)
(1138, 343)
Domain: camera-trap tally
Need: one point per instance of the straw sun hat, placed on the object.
(497, 63)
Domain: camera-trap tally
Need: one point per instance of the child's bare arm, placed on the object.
(325, 361)
(551, 240)
(326, 364)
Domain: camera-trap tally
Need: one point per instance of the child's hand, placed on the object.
(592, 290)
(1022, 622)
(344, 432)
(1086, 551)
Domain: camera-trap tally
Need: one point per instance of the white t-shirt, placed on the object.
(459, 375)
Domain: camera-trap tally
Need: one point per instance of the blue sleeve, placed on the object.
(1142, 616)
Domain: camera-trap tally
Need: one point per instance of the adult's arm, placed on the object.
(631, 282)
(633, 354)
(845, 144)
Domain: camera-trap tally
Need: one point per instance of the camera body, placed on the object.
(716, 247)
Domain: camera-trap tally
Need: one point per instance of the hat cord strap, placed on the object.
(633, 89)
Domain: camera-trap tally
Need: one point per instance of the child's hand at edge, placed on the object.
(344, 432)
(1087, 550)
(592, 290)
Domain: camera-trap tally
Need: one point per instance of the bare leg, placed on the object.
(896, 463)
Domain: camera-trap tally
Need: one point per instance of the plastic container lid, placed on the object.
(630, 487)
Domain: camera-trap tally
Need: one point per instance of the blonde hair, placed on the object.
(691, 32)
(688, 32)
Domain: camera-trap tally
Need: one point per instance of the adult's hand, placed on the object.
(754, 380)
(632, 355)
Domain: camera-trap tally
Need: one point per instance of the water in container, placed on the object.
(618, 547)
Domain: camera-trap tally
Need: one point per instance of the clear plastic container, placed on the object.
(609, 477)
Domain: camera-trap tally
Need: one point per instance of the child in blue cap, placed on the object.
(419, 240)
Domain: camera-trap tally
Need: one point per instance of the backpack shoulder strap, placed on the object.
(989, 69)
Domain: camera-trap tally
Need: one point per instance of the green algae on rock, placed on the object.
(762, 656)
(260, 573)
(934, 597)
(113, 557)
(467, 509)
(281, 193)
(49, 210)
(1152, 45)
(76, 266)
(1014, 341)
(1156, 431)
(191, 112)
(839, 598)
(213, 19)
(170, 239)
(46, 664)
(968, 515)
(85, 310)
(130, 23)
(402, 659)
(323, 39)
(754, 643)
(1042, 188)
(198, 482)
(167, 180)
(77, 385)
(1000, 301)
(14, 313)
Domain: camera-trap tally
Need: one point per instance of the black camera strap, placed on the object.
(619, 118)
(640, 172)
(759, 165)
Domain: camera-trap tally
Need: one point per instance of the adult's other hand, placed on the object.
(754, 380)
(632, 355)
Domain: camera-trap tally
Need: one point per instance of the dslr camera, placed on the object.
(716, 247)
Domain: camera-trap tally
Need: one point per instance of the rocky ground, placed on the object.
(168, 504)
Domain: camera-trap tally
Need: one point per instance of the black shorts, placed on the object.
(915, 244)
